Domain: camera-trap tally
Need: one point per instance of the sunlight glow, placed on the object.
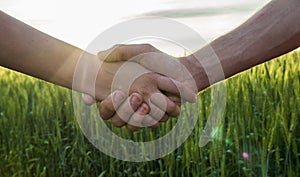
(78, 22)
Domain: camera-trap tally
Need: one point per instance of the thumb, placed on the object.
(87, 99)
(123, 52)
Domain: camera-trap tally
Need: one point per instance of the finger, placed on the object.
(165, 104)
(140, 119)
(157, 112)
(165, 118)
(124, 52)
(108, 107)
(163, 64)
(87, 99)
(176, 99)
(177, 88)
(125, 111)
(132, 128)
(146, 121)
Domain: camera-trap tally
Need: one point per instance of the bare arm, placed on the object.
(27, 50)
(271, 32)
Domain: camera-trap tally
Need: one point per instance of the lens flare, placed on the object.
(245, 155)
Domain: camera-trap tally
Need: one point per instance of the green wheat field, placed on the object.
(259, 134)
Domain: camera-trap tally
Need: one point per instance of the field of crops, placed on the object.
(259, 134)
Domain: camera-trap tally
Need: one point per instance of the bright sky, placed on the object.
(79, 21)
(66, 19)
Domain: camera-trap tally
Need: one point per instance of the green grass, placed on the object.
(39, 134)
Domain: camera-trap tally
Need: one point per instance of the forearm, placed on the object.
(27, 50)
(271, 32)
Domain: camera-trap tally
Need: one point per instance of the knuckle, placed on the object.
(135, 120)
(148, 48)
(132, 128)
(172, 106)
(148, 122)
(103, 115)
(155, 125)
(126, 111)
(172, 109)
(155, 112)
(117, 123)
(143, 109)
(117, 50)
(145, 92)
(105, 107)
(165, 118)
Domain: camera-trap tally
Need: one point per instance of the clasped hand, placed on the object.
(147, 86)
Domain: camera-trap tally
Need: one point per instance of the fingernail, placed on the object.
(135, 100)
(142, 109)
(118, 96)
(88, 99)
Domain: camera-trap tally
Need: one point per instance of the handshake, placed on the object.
(137, 85)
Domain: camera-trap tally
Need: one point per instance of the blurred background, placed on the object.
(78, 22)
(258, 136)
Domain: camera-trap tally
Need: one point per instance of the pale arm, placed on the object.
(27, 50)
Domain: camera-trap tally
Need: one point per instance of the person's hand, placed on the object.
(107, 108)
(135, 78)
(185, 69)
(154, 60)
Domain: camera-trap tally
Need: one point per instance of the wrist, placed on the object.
(196, 70)
(90, 77)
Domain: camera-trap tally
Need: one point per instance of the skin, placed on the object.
(32, 52)
(271, 32)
